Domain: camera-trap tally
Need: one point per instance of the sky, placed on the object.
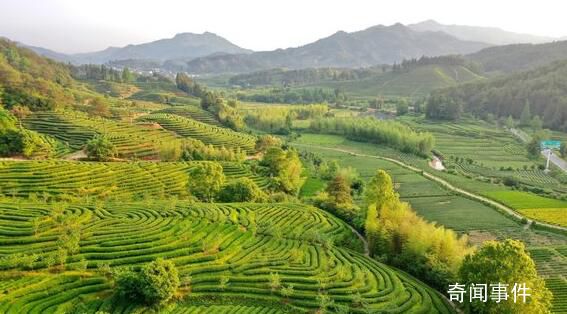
(90, 25)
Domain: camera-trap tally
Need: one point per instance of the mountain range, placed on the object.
(372, 46)
(209, 53)
(490, 35)
(184, 45)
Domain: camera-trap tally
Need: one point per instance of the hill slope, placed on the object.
(512, 58)
(491, 35)
(545, 88)
(412, 78)
(375, 45)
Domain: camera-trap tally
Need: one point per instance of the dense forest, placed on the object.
(545, 89)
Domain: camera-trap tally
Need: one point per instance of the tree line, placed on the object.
(279, 119)
(390, 133)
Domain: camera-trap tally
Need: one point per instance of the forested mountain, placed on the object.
(184, 45)
(541, 92)
(512, 58)
(30, 80)
(372, 46)
(491, 35)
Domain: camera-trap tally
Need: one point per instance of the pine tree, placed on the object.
(526, 116)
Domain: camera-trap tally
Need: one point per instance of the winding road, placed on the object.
(445, 184)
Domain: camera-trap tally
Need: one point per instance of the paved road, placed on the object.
(554, 159)
(446, 184)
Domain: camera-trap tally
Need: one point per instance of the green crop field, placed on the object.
(523, 200)
(221, 251)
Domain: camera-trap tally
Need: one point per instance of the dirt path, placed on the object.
(445, 184)
(362, 238)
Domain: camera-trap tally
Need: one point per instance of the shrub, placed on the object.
(241, 190)
(156, 283)
(100, 148)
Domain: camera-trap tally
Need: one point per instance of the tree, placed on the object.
(339, 190)
(21, 112)
(266, 141)
(505, 262)
(285, 168)
(534, 146)
(563, 149)
(536, 123)
(156, 283)
(241, 190)
(206, 180)
(380, 189)
(99, 107)
(526, 116)
(510, 122)
(127, 76)
(402, 107)
(100, 148)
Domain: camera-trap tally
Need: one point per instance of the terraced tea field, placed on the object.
(68, 179)
(192, 112)
(76, 129)
(226, 256)
(210, 134)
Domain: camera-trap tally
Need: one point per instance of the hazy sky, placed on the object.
(88, 25)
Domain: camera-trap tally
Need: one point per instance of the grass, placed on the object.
(523, 200)
(311, 186)
(206, 242)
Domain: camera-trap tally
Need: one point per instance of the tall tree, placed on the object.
(339, 190)
(380, 189)
(285, 168)
(206, 180)
(526, 116)
(508, 263)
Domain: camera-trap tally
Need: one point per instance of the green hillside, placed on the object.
(415, 82)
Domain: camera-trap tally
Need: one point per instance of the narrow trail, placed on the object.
(445, 184)
(362, 238)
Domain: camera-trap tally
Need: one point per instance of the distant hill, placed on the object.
(185, 45)
(411, 78)
(491, 35)
(375, 45)
(519, 57)
(544, 88)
